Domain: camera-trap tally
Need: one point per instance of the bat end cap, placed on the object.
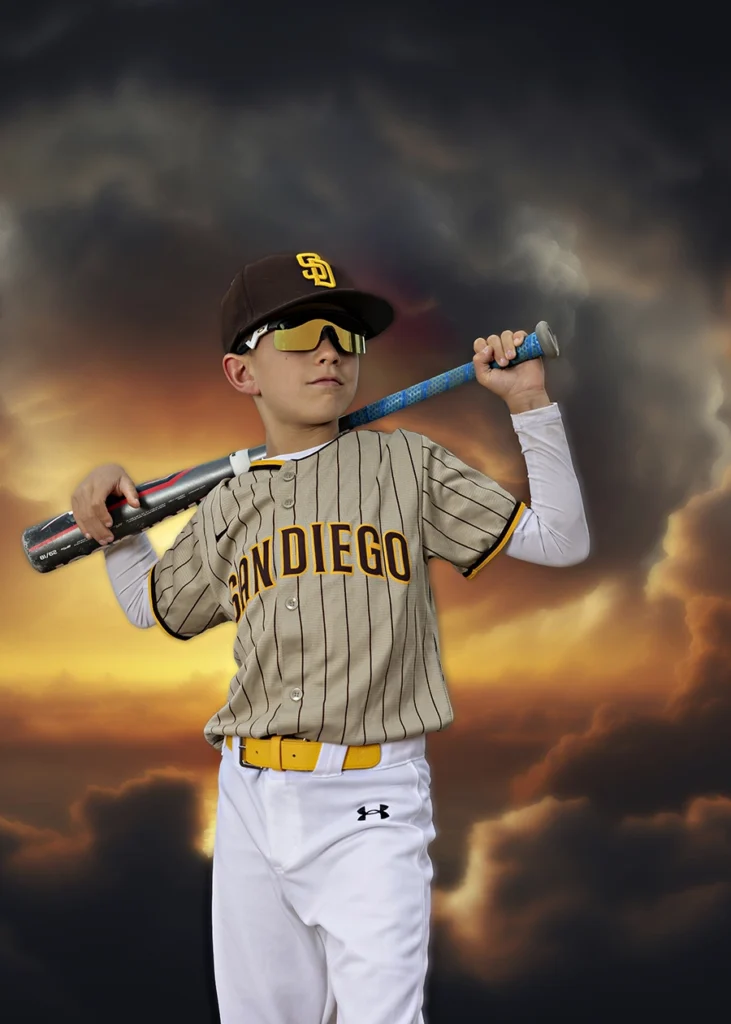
(548, 340)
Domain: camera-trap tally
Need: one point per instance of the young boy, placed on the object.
(320, 553)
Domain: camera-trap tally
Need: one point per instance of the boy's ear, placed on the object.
(239, 374)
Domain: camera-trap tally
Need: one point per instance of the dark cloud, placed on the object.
(116, 917)
(585, 115)
(575, 915)
(638, 764)
(638, 461)
(62, 736)
(700, 541)
(630, 763)
(494, 738)
(119, 273)
(42, 776)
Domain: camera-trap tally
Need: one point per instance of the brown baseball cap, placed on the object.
(275, 284)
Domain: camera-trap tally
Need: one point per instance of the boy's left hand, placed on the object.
(521, 386)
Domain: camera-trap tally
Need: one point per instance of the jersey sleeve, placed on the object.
(467, 517)
(181, 596)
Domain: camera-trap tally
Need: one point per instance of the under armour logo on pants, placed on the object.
(363, 813)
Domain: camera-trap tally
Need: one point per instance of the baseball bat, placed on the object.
(59, 541)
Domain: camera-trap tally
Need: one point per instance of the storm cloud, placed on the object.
(563, 911)
(115, 914)
(649, 763)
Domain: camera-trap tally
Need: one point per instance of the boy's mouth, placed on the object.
(332, 382)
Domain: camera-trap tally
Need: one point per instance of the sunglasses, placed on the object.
(302, 333)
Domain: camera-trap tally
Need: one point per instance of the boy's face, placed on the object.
(299, 389)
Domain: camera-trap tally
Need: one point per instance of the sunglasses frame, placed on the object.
(280, 325)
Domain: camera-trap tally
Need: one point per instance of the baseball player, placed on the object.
(320, 555)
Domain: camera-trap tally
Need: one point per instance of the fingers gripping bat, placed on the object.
(58, 541)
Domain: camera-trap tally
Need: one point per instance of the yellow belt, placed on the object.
(298, 755)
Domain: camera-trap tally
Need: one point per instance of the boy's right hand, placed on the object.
(88, 502)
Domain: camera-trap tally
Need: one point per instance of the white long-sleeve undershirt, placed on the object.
(553, 531)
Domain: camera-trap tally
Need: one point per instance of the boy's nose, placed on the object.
(328, 342)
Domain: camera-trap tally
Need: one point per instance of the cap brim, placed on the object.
(375, 313)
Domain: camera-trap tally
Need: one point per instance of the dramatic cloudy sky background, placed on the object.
(484, 170)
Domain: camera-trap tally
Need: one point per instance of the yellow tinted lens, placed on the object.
(306, 337)
(302, 338)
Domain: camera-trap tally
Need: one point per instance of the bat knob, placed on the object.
(547, 340)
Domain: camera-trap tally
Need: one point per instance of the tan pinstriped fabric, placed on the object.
(323, 563)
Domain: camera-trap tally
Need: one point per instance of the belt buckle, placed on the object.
(242, 761)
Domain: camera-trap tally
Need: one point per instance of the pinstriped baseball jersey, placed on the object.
(323, 563)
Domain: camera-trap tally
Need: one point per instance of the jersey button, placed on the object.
(296, 694)
(288, 474)
(291, 603)
(288, 502)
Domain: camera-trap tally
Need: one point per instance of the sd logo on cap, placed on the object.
(318, 270)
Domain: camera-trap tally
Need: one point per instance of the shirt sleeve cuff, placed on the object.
(499, 544)
(536, 417)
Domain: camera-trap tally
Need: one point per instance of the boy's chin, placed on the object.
(332, 406)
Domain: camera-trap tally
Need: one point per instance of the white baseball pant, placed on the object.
(321, 890)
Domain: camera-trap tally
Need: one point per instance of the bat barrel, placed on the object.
(58, 541)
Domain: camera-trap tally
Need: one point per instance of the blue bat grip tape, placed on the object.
(529, 349)
(410, 396)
